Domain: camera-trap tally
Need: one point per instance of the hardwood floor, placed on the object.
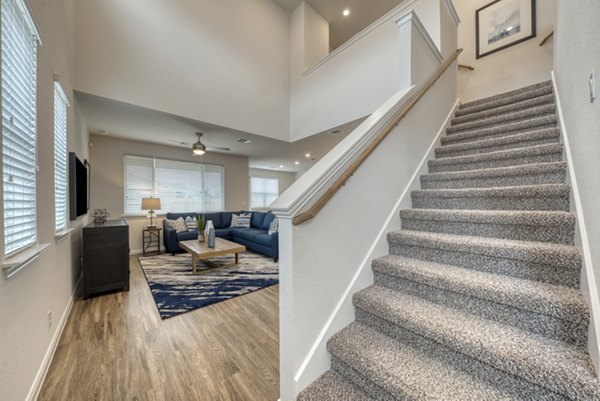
(115, 347)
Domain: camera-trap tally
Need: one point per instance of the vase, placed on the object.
(208, 226)
(211, 237)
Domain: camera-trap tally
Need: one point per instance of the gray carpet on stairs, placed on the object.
(479, 297)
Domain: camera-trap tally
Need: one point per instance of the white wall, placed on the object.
(285, 179)
(517, 66)
(221, 62)
(577, 53)
(316, 36)
(107, 182)
(47, 284)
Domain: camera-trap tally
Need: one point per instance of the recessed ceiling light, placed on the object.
(346, 12)
(244, 141)
(307, 155)
(281, 166)
(336, 131)
(296, 162)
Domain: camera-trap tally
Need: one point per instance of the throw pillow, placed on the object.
(241, 220)
(178, 225)
(274, 227)
(234, 220)
(191, 223)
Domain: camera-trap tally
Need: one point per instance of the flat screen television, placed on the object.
(78, 187)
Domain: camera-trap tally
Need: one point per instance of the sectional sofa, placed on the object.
(256, 238)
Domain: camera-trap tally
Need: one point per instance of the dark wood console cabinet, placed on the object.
(105, 257)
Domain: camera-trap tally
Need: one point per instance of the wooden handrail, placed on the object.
(465, 67)
(543, 42)
(327, 195)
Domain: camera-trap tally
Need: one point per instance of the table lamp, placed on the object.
(151, 204)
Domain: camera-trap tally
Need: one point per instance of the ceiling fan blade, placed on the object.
(180, 142)
(218, 148)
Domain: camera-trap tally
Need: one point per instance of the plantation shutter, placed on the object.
(19, 64)
(60, 157)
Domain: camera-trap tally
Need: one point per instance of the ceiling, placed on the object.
(122, 120)
(362, 14)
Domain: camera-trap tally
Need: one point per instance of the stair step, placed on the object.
(539, 226)
(545, 197)
(553, 311)
(525, 104)
(413, 367)
(502, 158)
(559, 367)
(499, 131)
(526, 174)
(503, 99)
(531, 138)
(539, 261)
(515, 116)
(332, 386)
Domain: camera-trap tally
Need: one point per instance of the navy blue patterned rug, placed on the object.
(176, 290)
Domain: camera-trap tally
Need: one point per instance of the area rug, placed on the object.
(176, 290)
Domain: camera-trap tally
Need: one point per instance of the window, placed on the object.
(263, 191)
(19, 64)
(181, 186)
(60, 157)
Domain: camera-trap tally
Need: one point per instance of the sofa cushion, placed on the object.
(269, 217)
(187, 235)
(226, 218)
(223, 233)
(215, 218)
(247, 234)
(257, 219)
(263, 239)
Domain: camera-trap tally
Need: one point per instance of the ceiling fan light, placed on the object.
(198, 148)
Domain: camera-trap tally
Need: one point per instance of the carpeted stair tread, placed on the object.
(515, 116)
(540, 226)
(400, 371)
(498, 131)
(522, 105)
(531, 138)
(560, 367)
(497, 176)
(512, 157)
(527, 197)
(528, 92)
(332, 386)
(561, 302)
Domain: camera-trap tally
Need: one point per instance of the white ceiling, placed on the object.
(122, 120)
(362, 14)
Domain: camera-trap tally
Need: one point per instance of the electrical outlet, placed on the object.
(593, 86)
(50, 318)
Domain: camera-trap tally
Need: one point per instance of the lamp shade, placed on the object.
(150, 203)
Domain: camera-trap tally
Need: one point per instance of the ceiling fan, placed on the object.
(198, 148)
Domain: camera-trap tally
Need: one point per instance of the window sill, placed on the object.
(60, 235)
(18, 262)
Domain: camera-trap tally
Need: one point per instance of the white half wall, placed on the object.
(222, 62)
(520, 65)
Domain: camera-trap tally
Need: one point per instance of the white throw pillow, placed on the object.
(274, 227)
(191, 223)
(241, 220)
(177, 225)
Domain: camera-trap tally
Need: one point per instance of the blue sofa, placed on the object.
(256, 238)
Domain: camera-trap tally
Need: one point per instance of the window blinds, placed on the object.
(19, 63)
(60, 157)
(181, 186)
(263, 191)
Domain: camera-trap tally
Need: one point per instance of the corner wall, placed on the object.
(48, 283)
(520, 65)
(107, 182)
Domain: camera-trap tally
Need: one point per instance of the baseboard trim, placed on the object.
(36, 387)
(382, 235)
(593, 300)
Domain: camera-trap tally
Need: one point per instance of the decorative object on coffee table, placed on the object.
(201, 223)
(211, 237)
(151, 204)
(99, 216)
(208, 226)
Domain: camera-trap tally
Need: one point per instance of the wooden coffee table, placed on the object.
(201, 251)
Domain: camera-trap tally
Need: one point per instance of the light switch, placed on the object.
(593, 86)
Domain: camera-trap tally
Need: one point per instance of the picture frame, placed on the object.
(502, 24)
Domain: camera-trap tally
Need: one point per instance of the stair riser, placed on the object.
(468, 137)
(556, 203)
(535, 102)
(483, 164)
(500, 101)
(563, 234)
(489, 182)
(443, 294)
(516, 116)
(442, 152)
(513, 386)
(366, 385)
(511, 267)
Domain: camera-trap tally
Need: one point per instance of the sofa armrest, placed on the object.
(169, 238)
(275, 245)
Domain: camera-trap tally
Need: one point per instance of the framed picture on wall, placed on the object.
(503, 23)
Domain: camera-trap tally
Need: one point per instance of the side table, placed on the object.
(151, 240)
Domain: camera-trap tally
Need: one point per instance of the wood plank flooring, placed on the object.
(115, 347)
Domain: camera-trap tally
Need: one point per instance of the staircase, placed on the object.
(478, 298)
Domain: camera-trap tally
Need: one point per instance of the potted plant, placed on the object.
(201, 222)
